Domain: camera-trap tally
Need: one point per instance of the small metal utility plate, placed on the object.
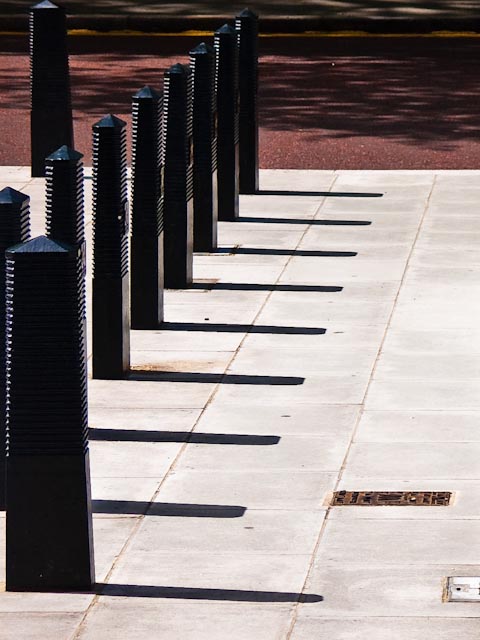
(391, 498)
(463, 589)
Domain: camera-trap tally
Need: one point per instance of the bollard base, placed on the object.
(49, 523)
(146, 281)
(111, 328)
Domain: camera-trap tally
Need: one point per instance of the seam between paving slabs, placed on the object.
(360, 413)
(81, 624)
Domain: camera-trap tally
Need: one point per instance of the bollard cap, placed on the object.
(176, 68)
(65, 153)
(202, 49)
(226, 29)
(46, 4)
(41, 244)
(247, 13)
(148, 92)
(110, 121)
(11, 196)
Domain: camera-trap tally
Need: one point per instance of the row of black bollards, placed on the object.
(187, 159)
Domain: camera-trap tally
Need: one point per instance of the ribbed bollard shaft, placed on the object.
(205, 195)
(246, 24)
(111, 304)
(147, 211)
(227, 107)
(49, 539)
(14, 228)
(178, 177)
(64, 196)
(51, 107)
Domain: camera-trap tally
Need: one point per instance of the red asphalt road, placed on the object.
(324, 103)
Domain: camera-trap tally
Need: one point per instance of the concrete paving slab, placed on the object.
(415, 542)
(26, 603)
(398, 628)
(147, 618)
(352, 591)
(110, 536)
(306, 270)
(49, 626)
(136, 459)
(423, 393)
(405, 459)
(257, 532)
(337, 333)
(265, 489)
(287, 361)
(392, 364)
(314, 389)
(315, 419)
(310, 453)
(143, 394)
(206, 571)
(167, 360)
(190, 337)
(419, 426)
(154, 419)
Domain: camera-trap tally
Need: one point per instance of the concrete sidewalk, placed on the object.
(300, 16)
(331, 343)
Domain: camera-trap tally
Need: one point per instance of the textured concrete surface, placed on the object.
(330, 343)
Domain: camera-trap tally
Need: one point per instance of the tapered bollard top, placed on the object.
(202, 49)
(247, 13)
(41, 244)
(225, 29)
(12, 196)
(109, 121)
(46, 4)
(148, 92)
(64, 196)
(65, 153)
(14, 217)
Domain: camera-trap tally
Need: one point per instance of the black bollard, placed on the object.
(111, 306)
(51, 105)
(246, 24)
(14, 228)
(178, 177)
(146, 305)
(49, 522)
(227, 109)
(64, 197)
(205, 194)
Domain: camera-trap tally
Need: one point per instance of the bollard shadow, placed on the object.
(138, 435)
(254, 251)
(147, 375)
(319, 194)
(185, 593)
(171, 509)
(242, 328)
(323, 223)
(247, 286)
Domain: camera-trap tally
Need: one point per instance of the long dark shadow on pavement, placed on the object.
(139, 435)
(254, 251)
(242, 328)
(319, 194)
(172, 509)
(184, 593)
(247, 286)
(147, 375)
(327, 223)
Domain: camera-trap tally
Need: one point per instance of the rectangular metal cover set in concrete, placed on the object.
(180, 140)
